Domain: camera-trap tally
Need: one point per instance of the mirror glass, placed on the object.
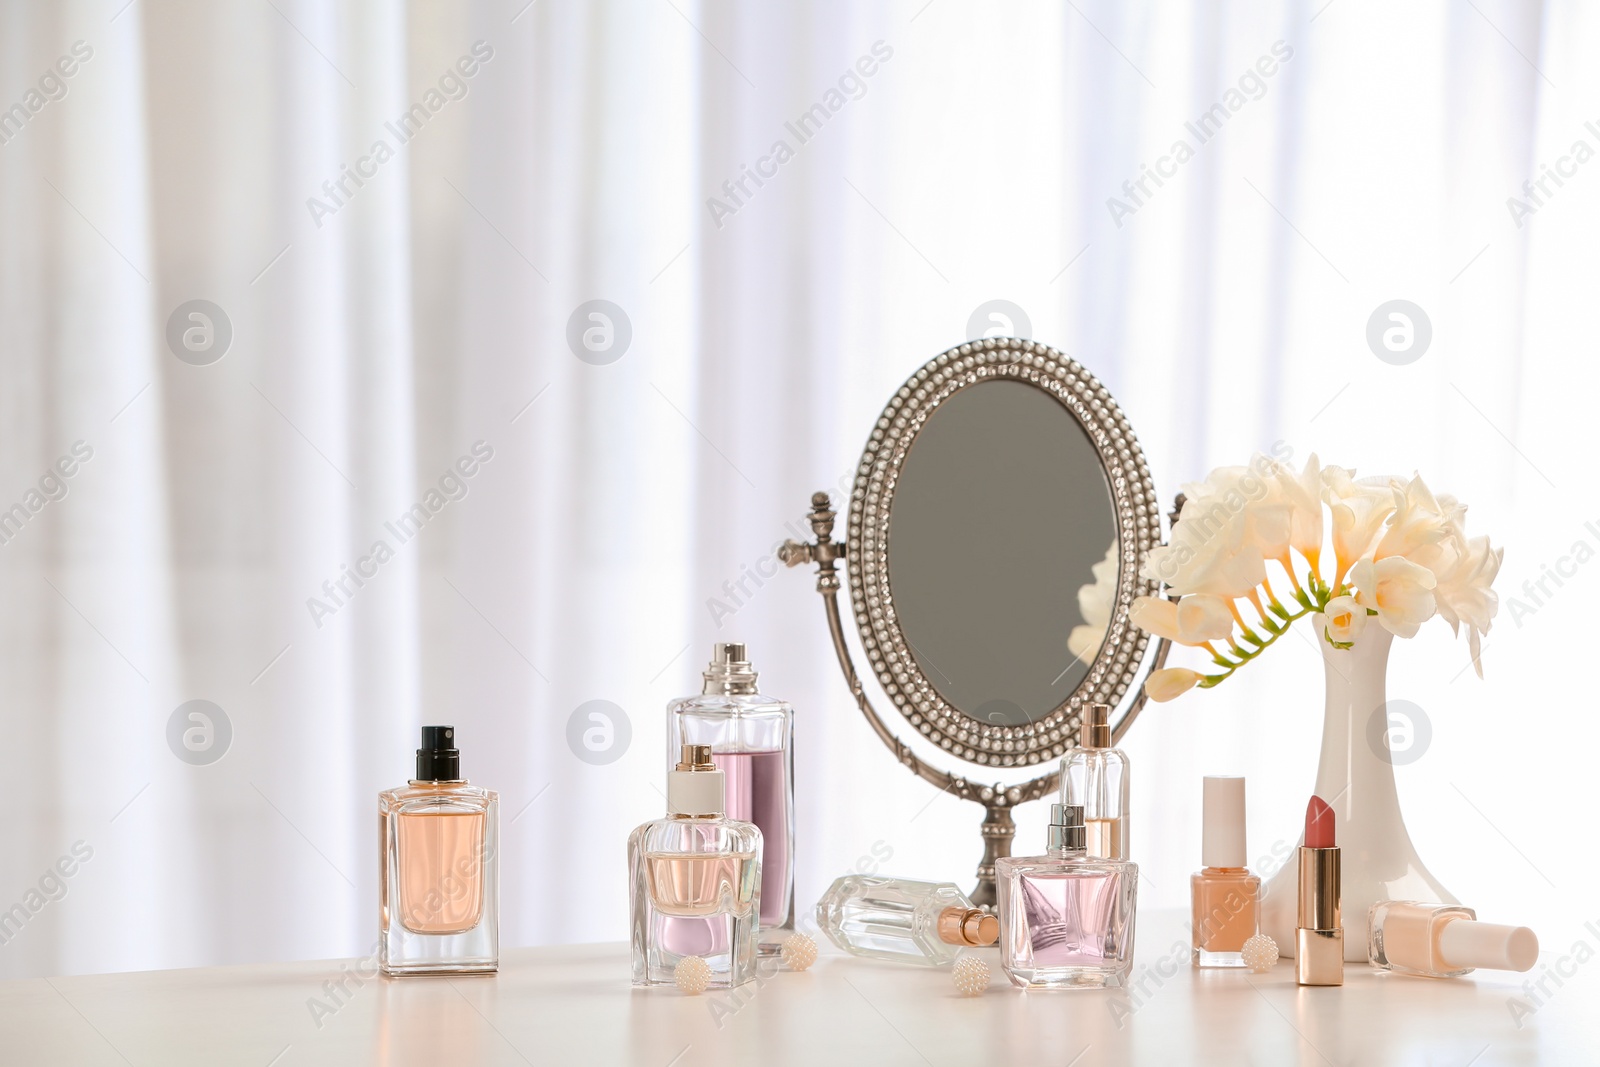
(1002, 552)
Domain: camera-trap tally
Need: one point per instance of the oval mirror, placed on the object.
(1004, 480)
(998, 523)
(999, 519)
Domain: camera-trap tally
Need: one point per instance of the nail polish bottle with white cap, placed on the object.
(1444, 940)
(1225, 896)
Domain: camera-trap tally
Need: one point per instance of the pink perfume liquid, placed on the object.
(692, 884)
(1071, 918)
(758, 791)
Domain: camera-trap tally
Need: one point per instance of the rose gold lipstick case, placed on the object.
(1319, 933)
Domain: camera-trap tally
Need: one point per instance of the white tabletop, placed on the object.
(573, 1005)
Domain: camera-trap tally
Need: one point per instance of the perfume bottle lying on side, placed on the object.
(922, 923)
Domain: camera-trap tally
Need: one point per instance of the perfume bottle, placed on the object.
(752, 743)
(1444, 940)
(923, 923)
(1066, 918)
(695, 881)
(1094, 776)
(439, 904)
(1224, 896)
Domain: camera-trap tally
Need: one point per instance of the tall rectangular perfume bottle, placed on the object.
(1094, 776)
(922, 923)
(752, 742)
(695, 881)
(439, 837)
(1066, 918)
(1224, 896)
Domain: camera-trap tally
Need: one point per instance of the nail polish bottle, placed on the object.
(1444, 940)
(439, 908)
(1224, 895)
(1094, 776)
(752, 743)
(1066, 918)
(694, 881)
(922, 923)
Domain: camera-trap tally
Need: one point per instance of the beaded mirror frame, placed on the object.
(1117, 666)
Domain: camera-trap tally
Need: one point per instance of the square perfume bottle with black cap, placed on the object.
(439, 907)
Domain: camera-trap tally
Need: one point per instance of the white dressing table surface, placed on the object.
(574, 1005)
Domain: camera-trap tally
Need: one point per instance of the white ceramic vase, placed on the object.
(1356, 776)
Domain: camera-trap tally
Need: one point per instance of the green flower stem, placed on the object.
(1311, 600)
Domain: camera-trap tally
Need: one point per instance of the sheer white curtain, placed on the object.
(381, 328)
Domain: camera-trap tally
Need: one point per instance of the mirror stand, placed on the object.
(999, 828)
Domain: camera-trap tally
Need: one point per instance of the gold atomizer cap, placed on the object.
(968, 926)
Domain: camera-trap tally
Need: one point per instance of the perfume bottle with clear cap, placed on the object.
(1094, 776)
(1066, 918)
(439, 904)
(922, 923)
(751, 737)
(694, 881)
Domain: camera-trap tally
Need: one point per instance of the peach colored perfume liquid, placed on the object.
(441, 870)
(1105, 837)
(690, 885)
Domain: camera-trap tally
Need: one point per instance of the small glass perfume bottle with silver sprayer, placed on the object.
(1094, 776)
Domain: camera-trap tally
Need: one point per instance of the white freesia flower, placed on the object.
(1194, 620)
(1345, 620)
(1094, 604)
(1420, 521)
(1155, 615)
(1466, 574)
(1267, 527)
(1216, 544)
(1359, 510)
(1202, 617)
(1170, 682)
(1246, 496)
(1401, 555)
(1216, 567)
(1303, 494)
(1401, 592)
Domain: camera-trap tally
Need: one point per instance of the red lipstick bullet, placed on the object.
(1319, 932)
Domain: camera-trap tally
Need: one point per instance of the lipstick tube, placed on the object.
(1319, 929)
